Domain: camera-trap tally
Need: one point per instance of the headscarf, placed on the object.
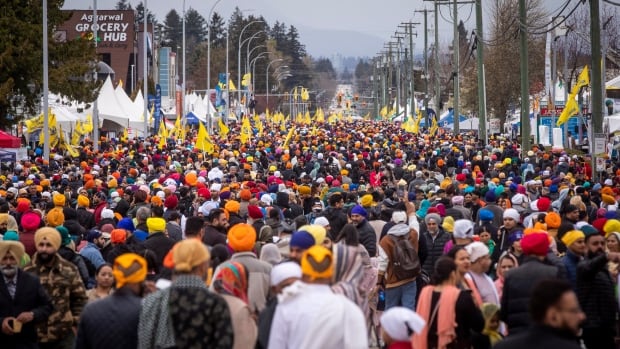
(232, 280)
(354, 274)
(424, 206)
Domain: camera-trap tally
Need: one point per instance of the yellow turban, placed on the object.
(232, 206)
(318, 232)
(448, 224)
(188, 254)
(129, 268)
(304, 190)
(13, 247)
(572, 236)
(55, 217)
(611, 226)
(156, 224)
(317, 263)
(59, 200)
(366, 200)
(48, 234)
(83, 201)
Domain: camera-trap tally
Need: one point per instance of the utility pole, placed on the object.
(425, 11)
(525, 101)
(437, 79)
(482, 103)
(597, 78)
(455, 73)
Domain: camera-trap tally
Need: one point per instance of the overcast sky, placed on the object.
(327, 27)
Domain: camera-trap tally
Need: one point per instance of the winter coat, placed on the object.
(595, 290)
(434, 249)
(518, 286)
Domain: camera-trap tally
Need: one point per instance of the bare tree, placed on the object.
(502, 53)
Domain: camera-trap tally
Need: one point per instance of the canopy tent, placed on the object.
(136, 121)
(613, 122)
(613, 84)
(447, 119)
(467, 124)
(191, 119)
(109, 106)
(9, 141)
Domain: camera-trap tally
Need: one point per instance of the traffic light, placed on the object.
(339, 98)
(356, 97)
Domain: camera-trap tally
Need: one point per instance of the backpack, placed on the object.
(406, 264)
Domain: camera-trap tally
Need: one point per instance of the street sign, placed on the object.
(600, 140)
(600, 164)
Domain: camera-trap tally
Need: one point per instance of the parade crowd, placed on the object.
(352, 234)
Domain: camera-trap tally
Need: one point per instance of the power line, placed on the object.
(555, 25)
(612, 2)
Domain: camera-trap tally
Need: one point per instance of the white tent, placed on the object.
(613, 84)
(613, 122)
(109, 107)
(136, 121)
(469, 124)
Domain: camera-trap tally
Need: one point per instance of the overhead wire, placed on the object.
(612, 2)
(555, 25)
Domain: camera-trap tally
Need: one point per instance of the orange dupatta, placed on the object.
(446, 317)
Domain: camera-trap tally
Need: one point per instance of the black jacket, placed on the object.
(337, 219)
(29, 296)
(213, 236)
(111, 322)
(540, 337)
(160, 244)
(367, 237)
(86, 218)
(434, 249)
(595, 290)
(518, 286)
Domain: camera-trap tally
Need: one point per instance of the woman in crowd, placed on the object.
(231, 283)
(104, 283)
(506, 262)
(450, 312)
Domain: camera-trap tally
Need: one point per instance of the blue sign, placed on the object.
(157, 111)
(573, 126)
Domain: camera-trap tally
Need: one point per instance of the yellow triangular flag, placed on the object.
(582, 81)
(223, 129)
(232, 86)
(246, 130)
(288, 137)
(247, 79)
(571, 108)
(203, 141)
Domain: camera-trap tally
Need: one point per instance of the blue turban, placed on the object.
(358, 209)
(302, 240)
(127, 224)
(486, 215)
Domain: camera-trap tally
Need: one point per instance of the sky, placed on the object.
(328, 27)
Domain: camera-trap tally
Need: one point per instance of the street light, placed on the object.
(267, 74)
(183, 84)
(247, 51)
(209, 55)
(253, 65)
(247, 58)
(239, 54)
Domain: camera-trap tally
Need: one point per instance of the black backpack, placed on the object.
(406, 264)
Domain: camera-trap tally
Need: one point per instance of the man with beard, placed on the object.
(84, 216)
(595, 290)
(20, 307)
(101, 201)
(216, 228)
(557, 316)
(92, 250)
(63, 284)
(366, 233)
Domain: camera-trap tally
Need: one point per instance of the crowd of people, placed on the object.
(353, 234)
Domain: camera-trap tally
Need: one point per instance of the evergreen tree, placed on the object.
(195, 27)
(71, 62)
(123, 5)
(172, 32)
(217, 31)
(140, 14)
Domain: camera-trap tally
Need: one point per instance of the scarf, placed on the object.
(446, 316)
(232, 280)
